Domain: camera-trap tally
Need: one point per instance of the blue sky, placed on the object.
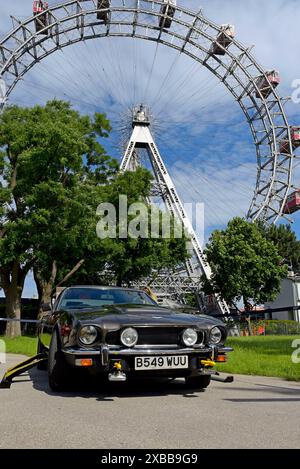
(201, 132)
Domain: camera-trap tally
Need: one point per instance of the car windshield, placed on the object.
(80, 298)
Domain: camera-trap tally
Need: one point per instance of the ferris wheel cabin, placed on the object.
(292, 203)
(42, 20)
(168, 10)
(266, 84)
(295, 139)
(102, 9)
(103, 5)
(224, 39)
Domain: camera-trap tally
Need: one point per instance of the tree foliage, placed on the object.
(245, 264)
(286, 241)
(132, 258)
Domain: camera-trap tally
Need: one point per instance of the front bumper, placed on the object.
(104, 358)
(138, 350)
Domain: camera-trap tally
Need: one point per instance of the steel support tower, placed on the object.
(187, 279)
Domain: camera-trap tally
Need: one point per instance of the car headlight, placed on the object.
(189, 337)
(129, 337)
(215, 335)
(88, 335)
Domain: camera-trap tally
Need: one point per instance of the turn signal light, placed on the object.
(84, 362)
(221, 359)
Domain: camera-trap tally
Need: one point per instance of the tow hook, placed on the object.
(117, 374)
(208, 363)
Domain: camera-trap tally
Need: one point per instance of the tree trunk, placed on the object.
(248, 319)
(119, 281)
(46, 295)
(44, 287)
(12, 279)
(13, 311)
(13, 284)
(248, 309)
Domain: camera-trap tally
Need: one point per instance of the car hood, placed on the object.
(118, 316)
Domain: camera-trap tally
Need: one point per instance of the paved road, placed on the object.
(250, 413)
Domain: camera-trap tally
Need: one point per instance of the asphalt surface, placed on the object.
(253, 412)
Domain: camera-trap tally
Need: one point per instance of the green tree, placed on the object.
(246, 266)
(138, 257)
(129, 258)
(69, 242)
(51, 157)
(73, 247)
(286, 241)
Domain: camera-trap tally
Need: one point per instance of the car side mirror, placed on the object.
(46, 307)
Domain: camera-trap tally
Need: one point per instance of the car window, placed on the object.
(80, 298)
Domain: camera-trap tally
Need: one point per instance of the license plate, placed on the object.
(174, 362)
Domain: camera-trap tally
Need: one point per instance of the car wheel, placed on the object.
(197, 382)
(59, 372)
(41, 349)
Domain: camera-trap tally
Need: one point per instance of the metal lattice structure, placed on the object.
(189, 33)
(173, 283)
(176, 285)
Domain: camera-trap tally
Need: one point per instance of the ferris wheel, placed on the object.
(51, 28)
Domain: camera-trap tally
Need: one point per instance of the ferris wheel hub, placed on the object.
(141, 115)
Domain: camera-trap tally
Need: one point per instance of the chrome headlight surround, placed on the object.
(129, 337)
(189, 337)
(88, 335)
(215, 335)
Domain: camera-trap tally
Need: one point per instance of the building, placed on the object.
(288, 298)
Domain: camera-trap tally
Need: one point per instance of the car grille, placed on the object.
(154, 336)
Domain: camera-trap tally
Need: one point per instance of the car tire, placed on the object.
(197, 382)
(59, 372)
(41, 349)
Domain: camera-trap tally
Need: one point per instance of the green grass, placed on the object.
(260, 356)
(263, 356)
(21, 345)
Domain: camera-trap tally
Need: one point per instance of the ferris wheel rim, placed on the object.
(270, 195)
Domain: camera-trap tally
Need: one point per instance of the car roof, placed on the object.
(104, 287)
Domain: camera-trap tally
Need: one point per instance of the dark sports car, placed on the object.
(117, 334)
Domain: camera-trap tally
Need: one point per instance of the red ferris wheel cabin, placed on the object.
(39, 6)
(292, 203)
(42, 19)
(295, 139)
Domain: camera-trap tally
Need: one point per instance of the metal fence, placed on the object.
(28, 326)
(265, 327)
